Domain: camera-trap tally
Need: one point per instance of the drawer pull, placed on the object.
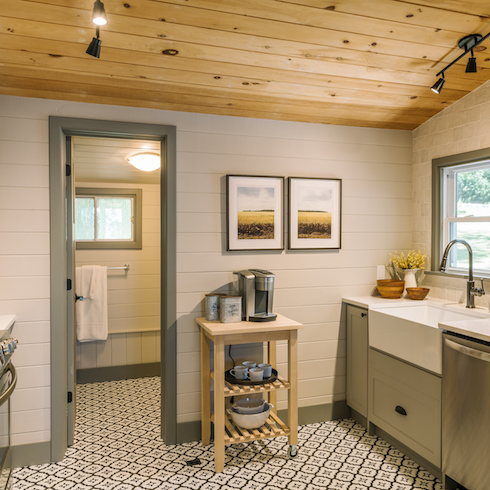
(400, 410)
(363, 315)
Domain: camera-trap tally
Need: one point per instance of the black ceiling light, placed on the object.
(98, 15)
(94, 46)
(471, 66)
(468, 43)
(437, 87)
(99, 18)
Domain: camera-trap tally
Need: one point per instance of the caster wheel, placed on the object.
(293, 451)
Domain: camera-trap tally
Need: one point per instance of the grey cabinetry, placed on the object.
(405, 401)
(357, 359)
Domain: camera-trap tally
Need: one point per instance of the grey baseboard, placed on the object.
(191, 431)
(30, 454)
(116, 373)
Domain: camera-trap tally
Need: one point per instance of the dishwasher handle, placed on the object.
(6, 395)
(468, 351)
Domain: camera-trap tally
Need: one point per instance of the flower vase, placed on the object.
(410, 279)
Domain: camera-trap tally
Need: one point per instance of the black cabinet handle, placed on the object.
(363, 314)
(400, 410)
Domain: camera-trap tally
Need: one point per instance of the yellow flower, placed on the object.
(411, 261)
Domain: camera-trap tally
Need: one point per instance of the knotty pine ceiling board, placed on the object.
(346, 62)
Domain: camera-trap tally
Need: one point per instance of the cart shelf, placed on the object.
(232, 389)
(273, 427)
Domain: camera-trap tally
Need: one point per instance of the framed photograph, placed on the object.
(254, 212)
(314, 213)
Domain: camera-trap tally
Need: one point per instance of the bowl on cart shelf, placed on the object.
(250, 420)
(249, 405)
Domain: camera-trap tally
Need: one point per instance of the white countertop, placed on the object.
(6, 322)
(478, 328)
(373, 302)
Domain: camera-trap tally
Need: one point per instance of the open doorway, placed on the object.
(117, 225)
(61, 292)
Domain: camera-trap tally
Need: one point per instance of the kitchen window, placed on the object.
(108, 218)
(461, 210)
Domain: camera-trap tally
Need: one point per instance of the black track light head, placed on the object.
(437, 87)
(471, 66)
(94, 47)
(98, 15)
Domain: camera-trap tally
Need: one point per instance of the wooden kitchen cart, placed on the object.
(225, 432)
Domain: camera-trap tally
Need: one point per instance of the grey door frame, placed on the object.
(59, 128)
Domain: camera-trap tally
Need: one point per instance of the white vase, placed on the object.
(410, 279)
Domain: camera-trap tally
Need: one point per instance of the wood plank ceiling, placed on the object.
(346, 62)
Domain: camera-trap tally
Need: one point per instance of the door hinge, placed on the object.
(68, 170)
(68, 284)
(70, 397)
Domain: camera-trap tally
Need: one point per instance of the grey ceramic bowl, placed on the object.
(250, 420)
(249, 405)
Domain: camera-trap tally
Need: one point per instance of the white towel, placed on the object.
(91, 312)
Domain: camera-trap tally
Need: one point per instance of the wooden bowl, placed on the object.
(391, 288)
(417, 293)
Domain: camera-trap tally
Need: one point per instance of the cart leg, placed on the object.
(219, 405)
(205, 391)
(272, 360)
(293, 390)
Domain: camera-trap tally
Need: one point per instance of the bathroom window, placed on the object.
(108, 218)
(462, 202)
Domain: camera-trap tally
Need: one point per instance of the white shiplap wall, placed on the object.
(375, 166)
(133, 297)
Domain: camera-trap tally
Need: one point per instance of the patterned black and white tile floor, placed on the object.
(118, 447)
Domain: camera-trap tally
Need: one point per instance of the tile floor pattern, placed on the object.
(118, 447)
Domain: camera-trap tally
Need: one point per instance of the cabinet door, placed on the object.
(405, 401)
(357, 351)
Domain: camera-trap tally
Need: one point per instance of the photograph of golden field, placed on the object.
(314, 224)
(256, 225)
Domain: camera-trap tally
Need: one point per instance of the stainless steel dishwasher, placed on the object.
(465, 413)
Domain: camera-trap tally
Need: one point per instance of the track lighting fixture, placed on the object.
(471, 66)
(94, 46)
(468, 43)
(99, 18)
(437, 87)
(98, 15)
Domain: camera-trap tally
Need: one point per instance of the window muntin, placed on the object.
(108, 218)
(466, 214)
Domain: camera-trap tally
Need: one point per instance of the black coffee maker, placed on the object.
(256, 287)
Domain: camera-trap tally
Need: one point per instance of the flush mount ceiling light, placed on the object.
(99, 18)
(145, 161)
(468, 43)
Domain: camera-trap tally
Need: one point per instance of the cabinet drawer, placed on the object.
(405, 402)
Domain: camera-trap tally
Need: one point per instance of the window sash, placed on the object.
(96, 220)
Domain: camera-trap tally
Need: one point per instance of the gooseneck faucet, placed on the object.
(471, 291)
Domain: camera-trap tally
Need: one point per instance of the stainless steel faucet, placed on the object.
(471, 291)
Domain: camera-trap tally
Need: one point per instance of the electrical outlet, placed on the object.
(380, 271)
